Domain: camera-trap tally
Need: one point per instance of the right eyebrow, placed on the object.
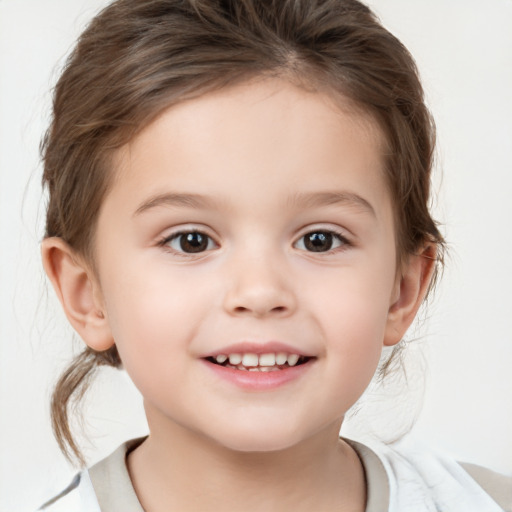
(175, 199)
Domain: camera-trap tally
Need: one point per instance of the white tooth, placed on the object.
(250, 360)
(281, 358)
(235, 359)
(221, 358)
(292, 359)
(267, 359)
(241, 367)
(253, 369)
(267, 368)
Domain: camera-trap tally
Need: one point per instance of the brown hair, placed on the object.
(138, 57)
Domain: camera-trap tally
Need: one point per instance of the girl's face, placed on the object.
(254, 221)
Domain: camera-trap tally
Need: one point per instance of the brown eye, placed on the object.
(320, 241)
(193, 242)
(190, 242)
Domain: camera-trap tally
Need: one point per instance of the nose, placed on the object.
(258, 287)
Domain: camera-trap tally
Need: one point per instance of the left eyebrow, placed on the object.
(176, 200)
(317, 199)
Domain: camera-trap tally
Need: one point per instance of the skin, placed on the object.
(261, 157)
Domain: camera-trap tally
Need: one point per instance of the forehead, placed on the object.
(266, 123)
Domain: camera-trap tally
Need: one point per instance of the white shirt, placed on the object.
(403, 477)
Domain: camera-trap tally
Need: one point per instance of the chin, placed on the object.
(259, 445)
(267, 438)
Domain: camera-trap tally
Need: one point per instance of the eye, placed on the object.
(321, 241)
(189, 242)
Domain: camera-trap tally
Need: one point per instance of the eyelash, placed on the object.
(344, 243)
(165, 242)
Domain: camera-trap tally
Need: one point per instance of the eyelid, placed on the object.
(328, 228)
(191, 227)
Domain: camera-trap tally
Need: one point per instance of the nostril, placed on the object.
(259, 301)
(260, 311)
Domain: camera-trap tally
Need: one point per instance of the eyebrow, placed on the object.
(317, 199)
(176, 199)
(302, 201)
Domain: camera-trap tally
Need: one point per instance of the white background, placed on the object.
(464, 51)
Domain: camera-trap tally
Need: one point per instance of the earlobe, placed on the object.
(411, 288)
(78, 293)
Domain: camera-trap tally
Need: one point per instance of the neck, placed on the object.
(179, 469)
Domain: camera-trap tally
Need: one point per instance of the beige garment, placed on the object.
(498, 486)
(111, 481)
(114, 489)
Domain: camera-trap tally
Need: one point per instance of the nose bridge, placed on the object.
(258, 282)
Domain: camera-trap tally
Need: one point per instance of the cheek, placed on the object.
(354, 299)
(150, 319)
(355, 331)
(353, 318)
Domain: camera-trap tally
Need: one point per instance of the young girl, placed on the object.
(238, 217)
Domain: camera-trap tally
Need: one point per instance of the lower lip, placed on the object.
(260, 381)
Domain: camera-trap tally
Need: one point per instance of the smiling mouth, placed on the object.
(250, 362)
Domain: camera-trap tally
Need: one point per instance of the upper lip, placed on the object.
(269, 347)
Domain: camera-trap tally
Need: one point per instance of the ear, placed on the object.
(78, 292)
(410, 290)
